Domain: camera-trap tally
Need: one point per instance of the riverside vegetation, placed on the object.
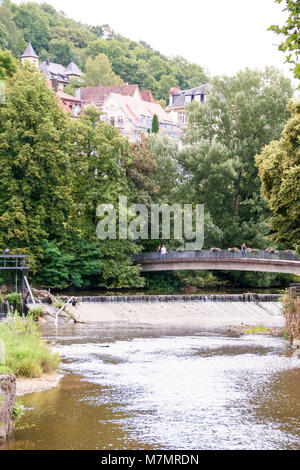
(26, 353)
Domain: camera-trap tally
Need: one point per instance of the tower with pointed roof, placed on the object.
(30, 56)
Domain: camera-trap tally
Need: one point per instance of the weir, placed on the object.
(248, 297)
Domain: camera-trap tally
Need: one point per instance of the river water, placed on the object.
(165, 388)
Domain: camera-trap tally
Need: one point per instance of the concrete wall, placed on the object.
(7, 403)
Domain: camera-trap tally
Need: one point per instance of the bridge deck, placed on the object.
(282, 262)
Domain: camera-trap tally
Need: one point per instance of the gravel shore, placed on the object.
(40, 384)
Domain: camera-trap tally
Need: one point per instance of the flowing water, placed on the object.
(165, 388)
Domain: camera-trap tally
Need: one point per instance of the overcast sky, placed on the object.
(223, 36)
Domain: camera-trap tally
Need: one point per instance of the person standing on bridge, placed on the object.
(163, 251)
(244, 250)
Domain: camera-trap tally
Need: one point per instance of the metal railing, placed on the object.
(211, 254)
(13, 262)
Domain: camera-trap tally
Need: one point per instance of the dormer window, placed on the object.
(188, 99)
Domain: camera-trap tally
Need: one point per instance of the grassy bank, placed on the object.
(26, 353)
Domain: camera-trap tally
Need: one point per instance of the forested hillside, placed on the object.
(62, 39)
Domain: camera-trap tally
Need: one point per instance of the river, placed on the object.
(139, 387)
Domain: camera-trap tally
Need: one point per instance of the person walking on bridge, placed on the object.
(244, 250)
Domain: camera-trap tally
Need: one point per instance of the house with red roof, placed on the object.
(133, 116)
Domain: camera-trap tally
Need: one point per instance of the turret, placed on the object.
(30, 56)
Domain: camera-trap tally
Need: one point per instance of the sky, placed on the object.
(223, 36)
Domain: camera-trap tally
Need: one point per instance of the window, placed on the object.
(182, 119)
(112, 121)
(120, 120)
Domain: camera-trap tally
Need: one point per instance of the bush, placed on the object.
(15, 302)
(27, 355)
(37, 313)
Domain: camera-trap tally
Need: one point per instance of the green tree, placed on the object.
(155, 124)
(11, 37)
(8, 65)
(279, 170)
(290, 32)
(99, 160)
(34, 23)
(99, 72)
(242, 113)
(60, 51)
(34, 165)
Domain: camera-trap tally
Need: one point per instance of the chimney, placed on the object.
(54, 84)
(173, 91)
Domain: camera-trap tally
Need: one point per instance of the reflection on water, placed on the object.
(137, 389)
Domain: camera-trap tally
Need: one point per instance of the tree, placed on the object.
(279, 170)
(290, 31)
(8, 65)
(100, 159)
(11, 37)
(34, 23)
(155, 124)
(99, 72)
(34, 165)
(60, 51)
(165, 152)
(242, 113)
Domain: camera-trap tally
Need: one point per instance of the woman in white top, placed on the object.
(163, 251)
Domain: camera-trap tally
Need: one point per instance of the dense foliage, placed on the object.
(62, 39)
(279, 169)
(290, 33)
(241, 115)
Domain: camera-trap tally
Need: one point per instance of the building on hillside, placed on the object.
(179, 99)
(128, 108)
(70, 104)
(133, 116)
(57, 74)
(58, 77)
(98, 95)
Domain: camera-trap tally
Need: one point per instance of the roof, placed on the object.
(58, 71)
(67, 97)
(134, 108)
(97, 95)
(30, 52)
(52, 70)
(179, 96)
(73, 69)
(147, 96)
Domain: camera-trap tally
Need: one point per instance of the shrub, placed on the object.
(27, 355)
(37, 313)
(15, 302)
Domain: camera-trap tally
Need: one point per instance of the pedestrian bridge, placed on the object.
(261, 261)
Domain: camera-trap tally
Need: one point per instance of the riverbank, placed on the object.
(39, 384)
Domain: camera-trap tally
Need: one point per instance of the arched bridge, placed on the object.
(262, 261)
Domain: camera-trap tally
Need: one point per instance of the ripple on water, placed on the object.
(194, 392)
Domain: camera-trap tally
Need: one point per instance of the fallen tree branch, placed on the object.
(62, 309)
(46, 310)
